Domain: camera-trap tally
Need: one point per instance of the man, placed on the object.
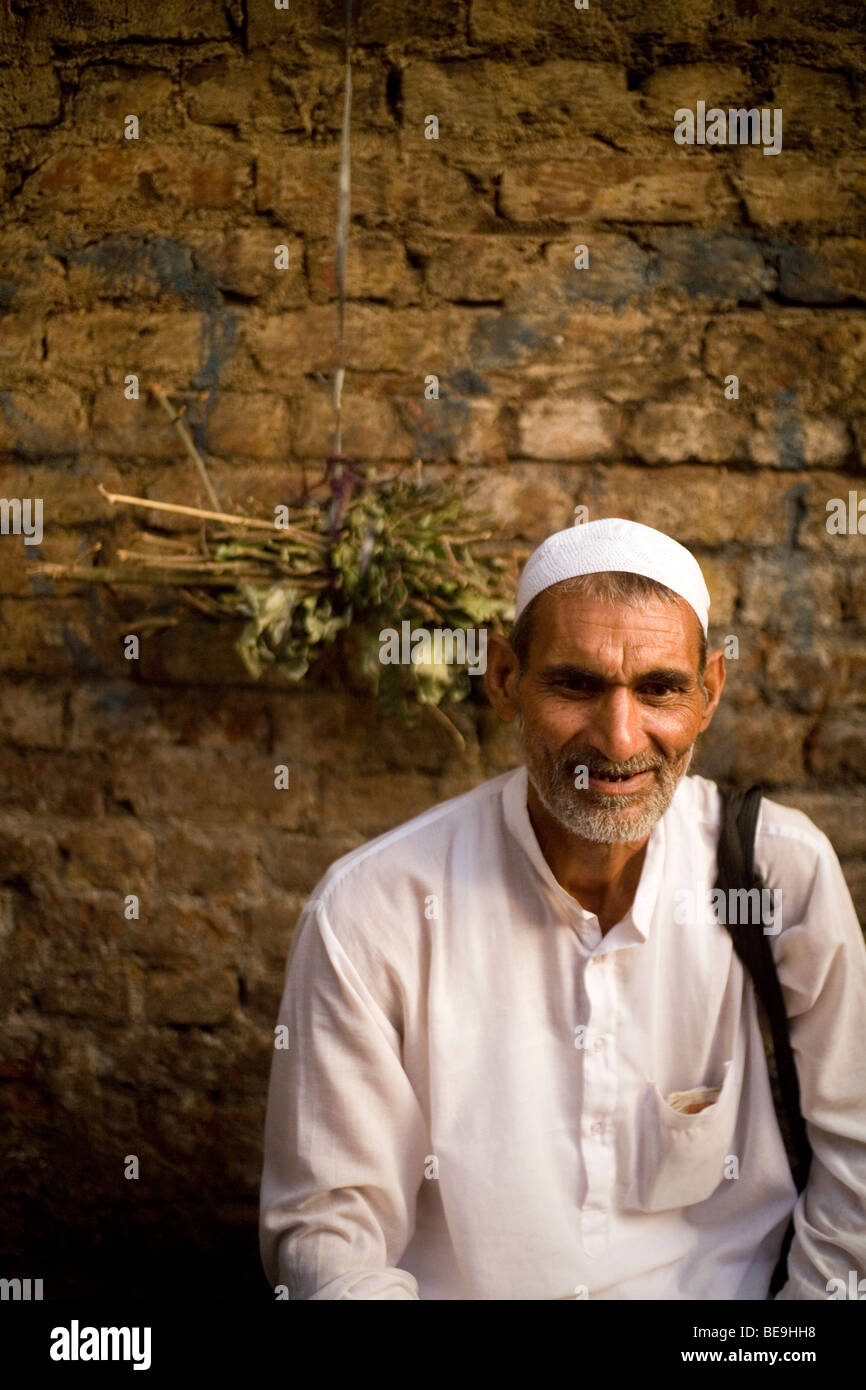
(524, 1061)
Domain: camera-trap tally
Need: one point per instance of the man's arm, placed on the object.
(821, 962)
(344, 1137)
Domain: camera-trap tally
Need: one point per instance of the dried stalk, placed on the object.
(174, 417)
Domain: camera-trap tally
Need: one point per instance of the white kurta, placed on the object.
(473, 1102)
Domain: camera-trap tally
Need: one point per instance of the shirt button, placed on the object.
(598, 1045)
(596, 1127)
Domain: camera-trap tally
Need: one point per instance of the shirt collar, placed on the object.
(516, 815)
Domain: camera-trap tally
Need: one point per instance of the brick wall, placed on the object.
(602, 386)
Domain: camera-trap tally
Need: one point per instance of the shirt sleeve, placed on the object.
(821, 962)
(344, 1134)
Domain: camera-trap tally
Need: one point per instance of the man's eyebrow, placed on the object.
(659, 675)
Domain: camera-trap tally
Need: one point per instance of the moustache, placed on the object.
(597, 768)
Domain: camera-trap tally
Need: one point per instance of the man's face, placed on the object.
(616, 690)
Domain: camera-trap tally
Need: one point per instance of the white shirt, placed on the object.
(473, 1100)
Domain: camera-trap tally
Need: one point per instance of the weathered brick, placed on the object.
(20, 342)
(267, 927)
(578, 429)
(828, 193)
(212, 864)
(79, 989)
(722, 578)
(776, 351)
(617, 272)
(108, 93)
(256, 426)
(785, 438)
(53, 782)
(116, 855)
(519, 23)
(88, 22)
(855, 877)
(29, 853)
(133, 428)
(680, 85)
(31, 277)
(753, 745)
(138, 174)
(110, 714)
(706, 264)
(840, 814)
(52, 637)
(69, 491)
(300, 186)
(674, 432)
(108, 344)
(625, 356)
(297, 862)
(440, 22)
(807, 582)
(372, 803)
(20, 575)
(819, 108)
(223, 89)
(377, 339)
(819, 500)
(830, 270)
(242, 261)
(696, 505)
(849, 666)
(617, 187)
(191, 995)
(46, 418)
(31, 715)
(465, 430)
(172, 931)
(29, 96)
(482, 103)
(837, 749)
(213, 786)
(371, 429)
(376, 268)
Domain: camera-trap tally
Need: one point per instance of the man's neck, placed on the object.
(602, 878)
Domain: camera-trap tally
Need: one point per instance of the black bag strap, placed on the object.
(736, 869)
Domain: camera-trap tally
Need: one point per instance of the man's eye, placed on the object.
(658, 688)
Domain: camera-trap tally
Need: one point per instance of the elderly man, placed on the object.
(516, 1067)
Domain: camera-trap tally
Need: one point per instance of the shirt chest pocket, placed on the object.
(680, 1159)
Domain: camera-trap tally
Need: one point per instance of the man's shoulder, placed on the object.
(411, 847)
(699, 799)
(789, 847)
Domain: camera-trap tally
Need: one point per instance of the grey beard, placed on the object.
(603, 820)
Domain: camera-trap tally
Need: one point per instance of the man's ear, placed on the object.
(501, 676)
(714, 682)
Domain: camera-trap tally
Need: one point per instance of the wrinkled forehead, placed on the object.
(573, 626)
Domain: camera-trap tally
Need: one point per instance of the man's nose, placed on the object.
(615, 727)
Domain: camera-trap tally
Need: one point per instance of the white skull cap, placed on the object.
(614, 544)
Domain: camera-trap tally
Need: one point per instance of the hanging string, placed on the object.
(343, 239)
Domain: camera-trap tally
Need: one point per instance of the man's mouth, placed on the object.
(619, 784)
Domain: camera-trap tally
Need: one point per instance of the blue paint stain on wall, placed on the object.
(503, 340)
(167, 266)
(787, 429)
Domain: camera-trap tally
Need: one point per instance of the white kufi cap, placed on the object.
(614, 544)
